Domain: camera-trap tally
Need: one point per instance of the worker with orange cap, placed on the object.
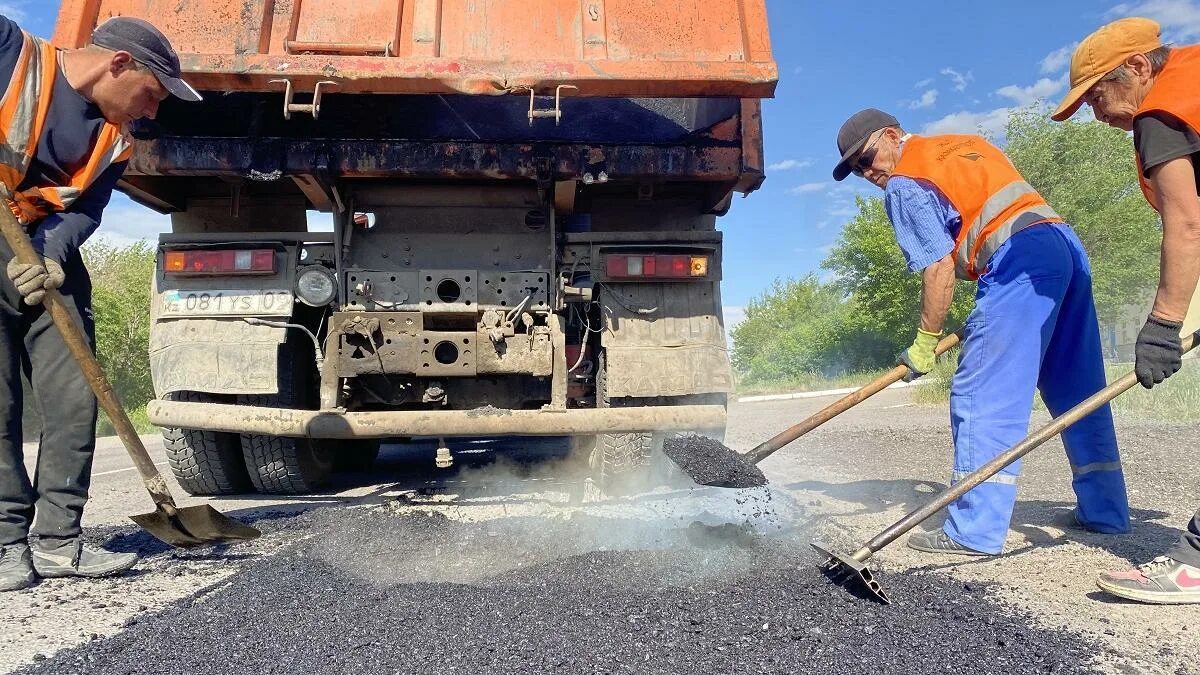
(1134, 82)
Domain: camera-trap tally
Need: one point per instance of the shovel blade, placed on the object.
(193, 526)
(844, 569)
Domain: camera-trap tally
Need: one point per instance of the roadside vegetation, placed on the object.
(809, 333)
(121, 304)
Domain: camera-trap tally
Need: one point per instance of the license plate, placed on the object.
(227, 303)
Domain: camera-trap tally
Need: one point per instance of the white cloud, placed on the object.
(807, 188)
(1180, 19)
(733, 315)
(927, 100)
(960, 80)
(14, 9)
(1038, 91)
(822, 251)
(1057, 60)
(844, 212)
(789, 164)
(991, 123)
(125, 222)
(923, 83)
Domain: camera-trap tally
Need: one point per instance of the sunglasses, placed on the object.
(866, 158)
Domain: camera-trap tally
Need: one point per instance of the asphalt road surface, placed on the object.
(502, 566)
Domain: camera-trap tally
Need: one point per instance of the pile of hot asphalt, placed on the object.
(398, 588)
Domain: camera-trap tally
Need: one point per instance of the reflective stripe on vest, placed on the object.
(988, 192)
(1174, 93)
(23, 112)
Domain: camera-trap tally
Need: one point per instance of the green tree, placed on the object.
(798, 327)
(869, 267)
(1086, 171)
(121, 304)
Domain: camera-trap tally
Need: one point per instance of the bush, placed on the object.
(121, 279)
(801, 330)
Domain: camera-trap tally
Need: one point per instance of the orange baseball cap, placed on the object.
(1101, 52)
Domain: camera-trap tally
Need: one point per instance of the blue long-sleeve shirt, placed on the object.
(925, 222)
(72, 126)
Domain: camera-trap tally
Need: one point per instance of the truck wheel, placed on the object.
(279, 465)
(354, 456)
(204, 462)
(621, 463)
(618, 463)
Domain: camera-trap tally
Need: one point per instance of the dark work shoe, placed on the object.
(70, 558)
(16, 569)
(937, 541)
(1071, 520)
(1162, 581)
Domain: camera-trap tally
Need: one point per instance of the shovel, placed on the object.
(767, 448)
(851, 569)
(182, 527)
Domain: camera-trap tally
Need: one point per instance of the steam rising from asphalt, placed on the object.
(513, 516)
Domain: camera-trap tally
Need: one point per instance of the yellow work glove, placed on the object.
(921, 356)
(32, 281)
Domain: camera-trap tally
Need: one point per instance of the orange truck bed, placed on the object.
(628, 48)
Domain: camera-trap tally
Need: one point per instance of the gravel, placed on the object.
(709, 462)
(392, 588)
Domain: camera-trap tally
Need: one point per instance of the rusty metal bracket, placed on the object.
(313, 108)
(556, 113)
(293, 46)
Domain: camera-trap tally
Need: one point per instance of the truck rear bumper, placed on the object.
(441, 423)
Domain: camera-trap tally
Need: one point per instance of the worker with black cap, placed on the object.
(1134, 82)
(64, 119)
(959, 208)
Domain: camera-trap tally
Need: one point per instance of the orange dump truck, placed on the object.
(521, 239)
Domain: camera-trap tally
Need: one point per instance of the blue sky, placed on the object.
(938, 65)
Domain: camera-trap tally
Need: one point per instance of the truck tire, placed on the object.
(276, 464)
(204, 463)
(619, 463)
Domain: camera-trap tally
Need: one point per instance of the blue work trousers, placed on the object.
(1034, 326)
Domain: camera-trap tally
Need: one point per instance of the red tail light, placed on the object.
(208, 262)
(652, 266)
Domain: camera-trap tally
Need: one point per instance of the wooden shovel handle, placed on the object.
(768, 447)
(77, 343)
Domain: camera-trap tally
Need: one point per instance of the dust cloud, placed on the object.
(507, 516)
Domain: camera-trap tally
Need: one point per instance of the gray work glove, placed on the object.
(1157, 353)
(32, 281)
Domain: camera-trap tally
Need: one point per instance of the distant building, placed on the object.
(1119, 336)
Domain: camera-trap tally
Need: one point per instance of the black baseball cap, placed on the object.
(854, 134)
(149, 47)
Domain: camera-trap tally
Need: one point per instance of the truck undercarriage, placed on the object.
(486, 275)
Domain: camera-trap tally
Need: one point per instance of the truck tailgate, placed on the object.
(648, 48)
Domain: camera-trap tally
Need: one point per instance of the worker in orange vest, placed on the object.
(960, 209)
(1135, 83)
(63, 146)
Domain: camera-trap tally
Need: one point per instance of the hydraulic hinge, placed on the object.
(556, 113)
(313, 108)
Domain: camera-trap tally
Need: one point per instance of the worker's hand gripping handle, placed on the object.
(768, 448)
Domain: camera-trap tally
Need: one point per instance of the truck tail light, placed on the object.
(226, 262)
(654, 266)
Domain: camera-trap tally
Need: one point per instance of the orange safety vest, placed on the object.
(23, 112)
(1174, 93)
(980, 182)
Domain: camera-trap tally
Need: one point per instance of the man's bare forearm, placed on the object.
(1175, 184)
(937, 292)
